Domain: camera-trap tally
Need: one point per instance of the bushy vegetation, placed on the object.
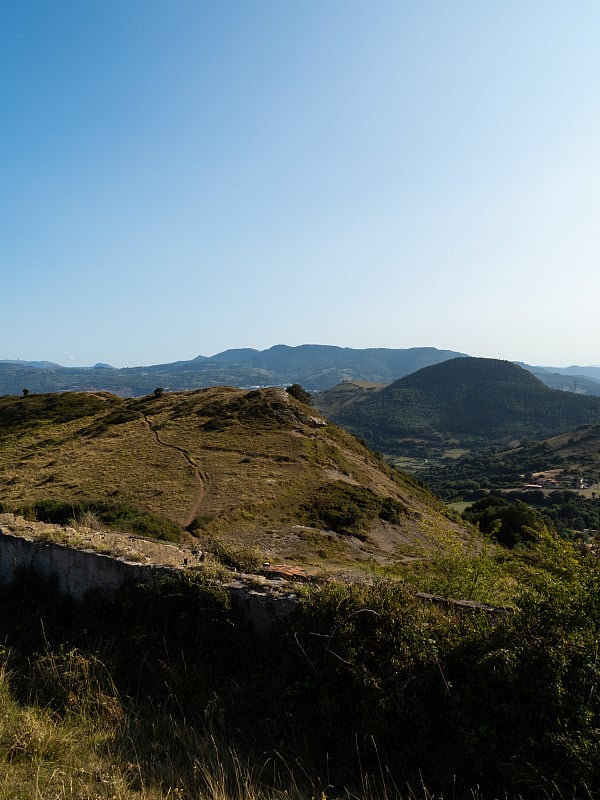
(33, 411)
(566, 512)
(295, 390)
(364, 685)
(510, 523)
(118, 516)
(451, 478)
(513, 517)
(347, 509)
(496, 475)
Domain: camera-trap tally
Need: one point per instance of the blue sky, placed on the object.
(178, 177)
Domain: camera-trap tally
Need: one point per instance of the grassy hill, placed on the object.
(462, 402)
(249, 471)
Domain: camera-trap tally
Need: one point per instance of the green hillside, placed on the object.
(569, 461)
(463, 402)
(244, 470)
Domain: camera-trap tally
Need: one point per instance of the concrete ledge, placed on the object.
(80, 571)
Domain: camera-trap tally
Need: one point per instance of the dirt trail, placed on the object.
(201, 477)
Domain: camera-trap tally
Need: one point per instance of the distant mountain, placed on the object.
(576, 383)
(314, 364)
(590, 372)
(237, 356)
(316, 367)
(35, 364)
(468, 402)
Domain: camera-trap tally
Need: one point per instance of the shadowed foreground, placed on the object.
(365, 691)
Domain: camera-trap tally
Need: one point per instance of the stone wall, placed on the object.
(76, 571)
(80, 571)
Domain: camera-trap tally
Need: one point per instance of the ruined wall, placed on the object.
(76, 571)
(81, 571)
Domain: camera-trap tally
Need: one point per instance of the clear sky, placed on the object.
(178, 177)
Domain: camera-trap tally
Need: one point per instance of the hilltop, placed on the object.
(250, 474)
(470, 403)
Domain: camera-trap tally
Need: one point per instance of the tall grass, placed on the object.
(365, 693)
(51, 753)
(94, 744)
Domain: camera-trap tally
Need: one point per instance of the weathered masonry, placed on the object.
(80, 571)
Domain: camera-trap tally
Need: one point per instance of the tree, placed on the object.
(299, 393)
(158, 392)
(510, 523)
(25, 392)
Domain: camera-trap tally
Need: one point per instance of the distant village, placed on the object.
(556, 479)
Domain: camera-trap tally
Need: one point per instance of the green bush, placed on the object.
(506, 702)
(299, 393)
(509, 522)
(119, 516)
(348, 509)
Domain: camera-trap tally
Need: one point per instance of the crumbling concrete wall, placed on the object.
(80, 571)
(76, 571)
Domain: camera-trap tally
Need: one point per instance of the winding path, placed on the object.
(201, 477)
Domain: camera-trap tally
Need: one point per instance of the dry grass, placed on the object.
(242, 464)
(95, 749)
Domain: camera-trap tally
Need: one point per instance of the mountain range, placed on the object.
(316, 367)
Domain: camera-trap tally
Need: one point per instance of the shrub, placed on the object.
(510, 523)
(295, 390)
(347, 509)
(242, 559)
(118, 516)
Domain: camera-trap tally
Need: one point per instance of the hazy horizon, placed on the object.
(210, 355)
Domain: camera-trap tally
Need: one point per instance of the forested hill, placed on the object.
(468, 401)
